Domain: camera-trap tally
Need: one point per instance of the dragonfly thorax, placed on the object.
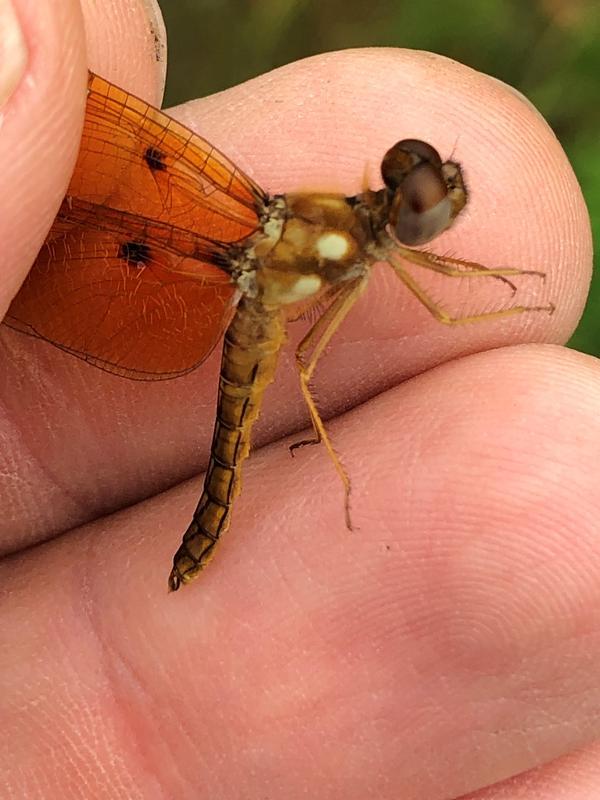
(321, 243)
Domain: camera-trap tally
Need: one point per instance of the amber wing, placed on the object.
(130, 276)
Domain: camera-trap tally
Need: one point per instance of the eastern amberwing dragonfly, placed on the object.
(162, 244)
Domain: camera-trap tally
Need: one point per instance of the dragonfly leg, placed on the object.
(316, 439)
(308, 353)
(442, 316)
(458, 268)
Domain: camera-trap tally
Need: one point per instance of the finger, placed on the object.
(524, 200)
(41, 125)
(126, 44)
(447, 643)
(44, 115)
(572, 777)
(164, 431)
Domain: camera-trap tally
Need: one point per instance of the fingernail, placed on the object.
(13, 51)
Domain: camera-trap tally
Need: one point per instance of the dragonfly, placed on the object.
(162, 247)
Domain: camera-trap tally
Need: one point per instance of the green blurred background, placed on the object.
(549, 49)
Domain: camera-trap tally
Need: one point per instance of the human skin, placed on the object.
(451, 641)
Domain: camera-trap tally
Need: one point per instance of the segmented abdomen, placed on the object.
(252, 343)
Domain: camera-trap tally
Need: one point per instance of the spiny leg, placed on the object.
(443, 316)
(459, 268)
(319, 324)
(318, 338)
(337, 296)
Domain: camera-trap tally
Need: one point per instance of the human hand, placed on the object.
(448, 643)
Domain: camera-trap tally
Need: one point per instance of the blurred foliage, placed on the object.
(549, 49)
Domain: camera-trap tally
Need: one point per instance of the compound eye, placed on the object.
(403, 157)
(421, 208)
(421, 149)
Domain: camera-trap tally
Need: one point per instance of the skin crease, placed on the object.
(451, 641)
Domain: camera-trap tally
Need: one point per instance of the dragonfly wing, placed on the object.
(126, 307)
(137, 159)
(133, 275)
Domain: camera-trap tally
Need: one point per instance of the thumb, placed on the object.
(42, 97)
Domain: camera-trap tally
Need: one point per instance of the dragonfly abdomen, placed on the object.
(252, 343)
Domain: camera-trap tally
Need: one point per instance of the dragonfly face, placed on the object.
(426, 194)
(162, 244)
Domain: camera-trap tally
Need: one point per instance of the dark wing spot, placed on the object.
(136, 254)
(155, 159)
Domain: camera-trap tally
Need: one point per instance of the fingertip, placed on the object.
(326, 121)
(126, 43)
(40, 132)
(43, 112)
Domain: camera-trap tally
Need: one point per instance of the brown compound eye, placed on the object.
(403, 156)
(427, 195)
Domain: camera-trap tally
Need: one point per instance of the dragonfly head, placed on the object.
(425, 194)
